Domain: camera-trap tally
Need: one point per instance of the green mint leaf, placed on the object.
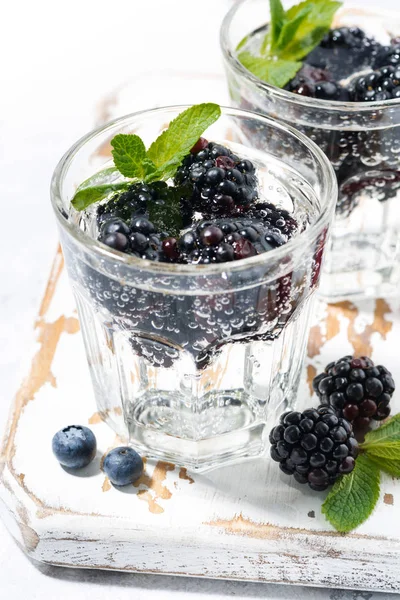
(130, 157)
(242, 42)
(391, 467)
(308, 22)
(174, 143)
(166, 213)
(89, 195)
(290, 29)
(277, 21)
(384, 441)
(109, 175)
(290, 37)
(354, 496)
(275, 72)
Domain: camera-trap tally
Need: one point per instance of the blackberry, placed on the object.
(220, 181)
(264, 228)
(382, 84)
(357, 389)
(344, 51)
(137, 201)
(315, 446)
(307, 79)
(388, 55)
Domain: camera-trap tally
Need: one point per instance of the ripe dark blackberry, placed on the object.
(316, 83)
(344, 51)
(220, 181)
(388, 55)
(138, 199)
(315, 446)
(382, 84)
(224, 240)
(357, 389)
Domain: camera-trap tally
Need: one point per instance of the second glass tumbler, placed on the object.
(362, 141)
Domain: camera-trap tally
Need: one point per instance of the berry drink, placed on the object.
(194, 293)
(346, 97)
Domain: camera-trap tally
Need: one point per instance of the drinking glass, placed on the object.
(189, 362)
(362, 141)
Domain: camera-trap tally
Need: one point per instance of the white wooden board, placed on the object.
(245, 522)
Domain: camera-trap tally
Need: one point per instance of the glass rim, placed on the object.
(329, 193)
(297, 99)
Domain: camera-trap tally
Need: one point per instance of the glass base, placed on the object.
(196, 418)
(165, 427)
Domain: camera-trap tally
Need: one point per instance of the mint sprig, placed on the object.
(159, 163)
(291, 35)
(277, 71)
(384, 442)
(130, 157)
(169, 149)
(353, 497)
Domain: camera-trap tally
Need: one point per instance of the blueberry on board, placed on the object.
(74, 446)
(123, 465)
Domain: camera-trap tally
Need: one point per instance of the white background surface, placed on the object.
(57, 61)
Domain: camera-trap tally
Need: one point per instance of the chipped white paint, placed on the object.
(243, 522)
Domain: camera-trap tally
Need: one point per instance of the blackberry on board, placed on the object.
(356, 389)
(315, 446)
(220, 181)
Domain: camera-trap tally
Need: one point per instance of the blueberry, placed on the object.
(74, 446)
(123, 466)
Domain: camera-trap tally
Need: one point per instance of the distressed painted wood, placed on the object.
(243, 522)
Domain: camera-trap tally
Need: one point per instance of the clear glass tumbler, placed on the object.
(362, 141)
(189, 361)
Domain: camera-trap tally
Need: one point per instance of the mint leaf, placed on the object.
(384, 441)
(391, 467)
(277, 20)
(291, 28)
(159, 163)
(275, 72)
(130, 156)
(310, 21)
(354, 496)
(290, 37)
(89, 195)
(109, 175)
(169, 149)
